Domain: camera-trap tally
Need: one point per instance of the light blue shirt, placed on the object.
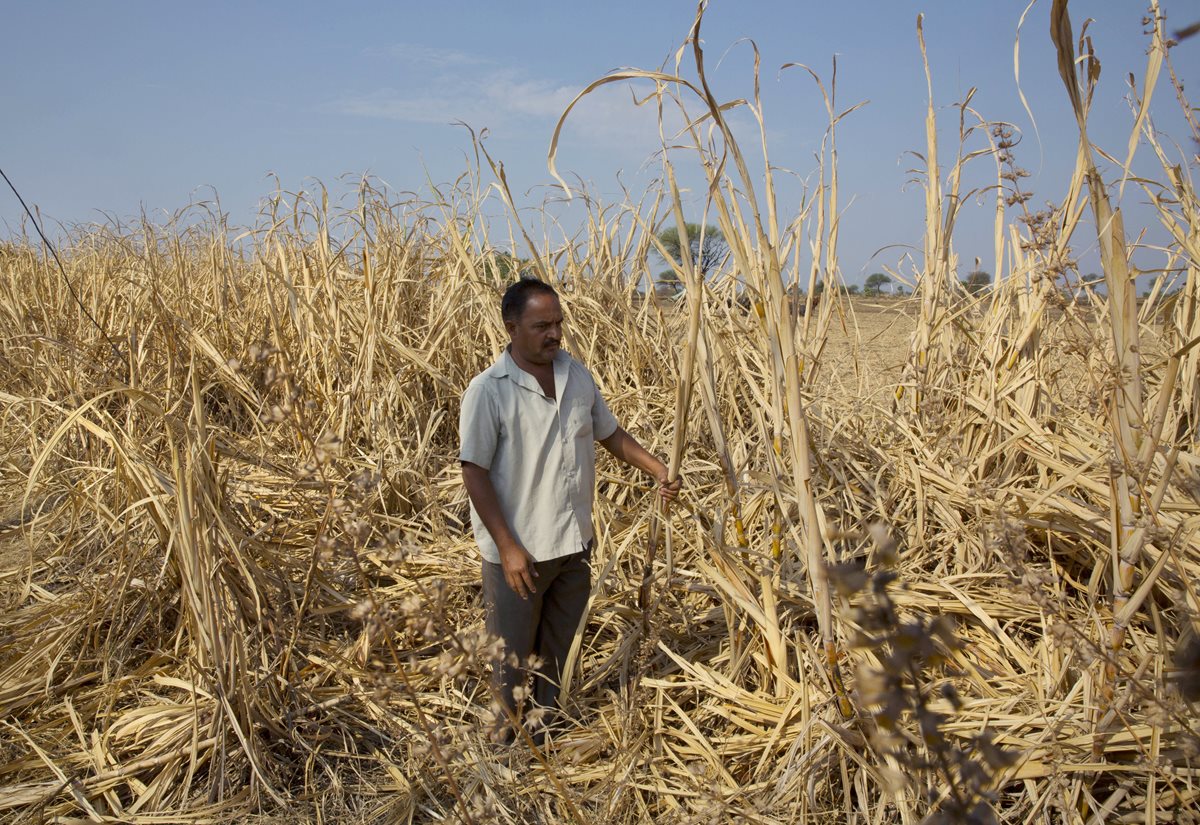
(538, 451)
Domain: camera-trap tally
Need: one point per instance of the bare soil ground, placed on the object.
(866, 351)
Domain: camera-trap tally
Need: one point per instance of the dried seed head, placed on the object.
(273, 416)
(328, 447)
(325, 547)
(885, 545)
(358, 529)
(364, 482)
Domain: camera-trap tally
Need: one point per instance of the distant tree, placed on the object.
(795, 298)
(502, 268)
(705, 257)
(875, 282)
(977, 281)
(667, 284)
(852, 289)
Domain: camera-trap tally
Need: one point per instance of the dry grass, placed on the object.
(237, 576)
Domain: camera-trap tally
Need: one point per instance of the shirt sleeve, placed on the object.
(604, 423)
(478, 426)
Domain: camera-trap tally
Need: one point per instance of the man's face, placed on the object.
(537, 334)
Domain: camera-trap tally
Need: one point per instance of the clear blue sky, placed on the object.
(112, 108)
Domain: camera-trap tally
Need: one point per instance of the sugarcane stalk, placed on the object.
(708, 397)
(683, 395)
(1125, 396)
(766, 267)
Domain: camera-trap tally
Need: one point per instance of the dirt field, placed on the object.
(867, 351)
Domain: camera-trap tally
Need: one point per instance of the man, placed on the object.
(529, 466)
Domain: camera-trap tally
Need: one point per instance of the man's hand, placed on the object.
(668, 488)
(519, 571)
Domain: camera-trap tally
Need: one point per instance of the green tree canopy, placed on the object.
(875, 282)
(667, 283)
(502, 268)
(977, 282)
(706, 256)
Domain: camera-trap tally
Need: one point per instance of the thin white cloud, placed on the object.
(509, 103)
(392, 104)
(536, 98)
(431, 57)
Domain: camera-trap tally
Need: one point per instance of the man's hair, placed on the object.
(512, 305)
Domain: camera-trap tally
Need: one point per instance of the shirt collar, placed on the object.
(505, 366)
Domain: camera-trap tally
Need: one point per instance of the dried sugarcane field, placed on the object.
(935, 558)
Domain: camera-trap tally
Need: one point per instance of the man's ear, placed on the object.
(510, 327)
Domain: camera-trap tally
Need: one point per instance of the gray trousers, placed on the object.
(544, 624)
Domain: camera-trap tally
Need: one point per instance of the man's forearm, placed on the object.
(626, 448)
(483, 495)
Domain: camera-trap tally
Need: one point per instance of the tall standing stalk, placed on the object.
(762, 262)
(755, 247)
(694, 285)
(1125, 385)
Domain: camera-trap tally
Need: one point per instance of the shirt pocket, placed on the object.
(579, 422)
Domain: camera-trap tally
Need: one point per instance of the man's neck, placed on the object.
(529, 366)
(542, 373)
